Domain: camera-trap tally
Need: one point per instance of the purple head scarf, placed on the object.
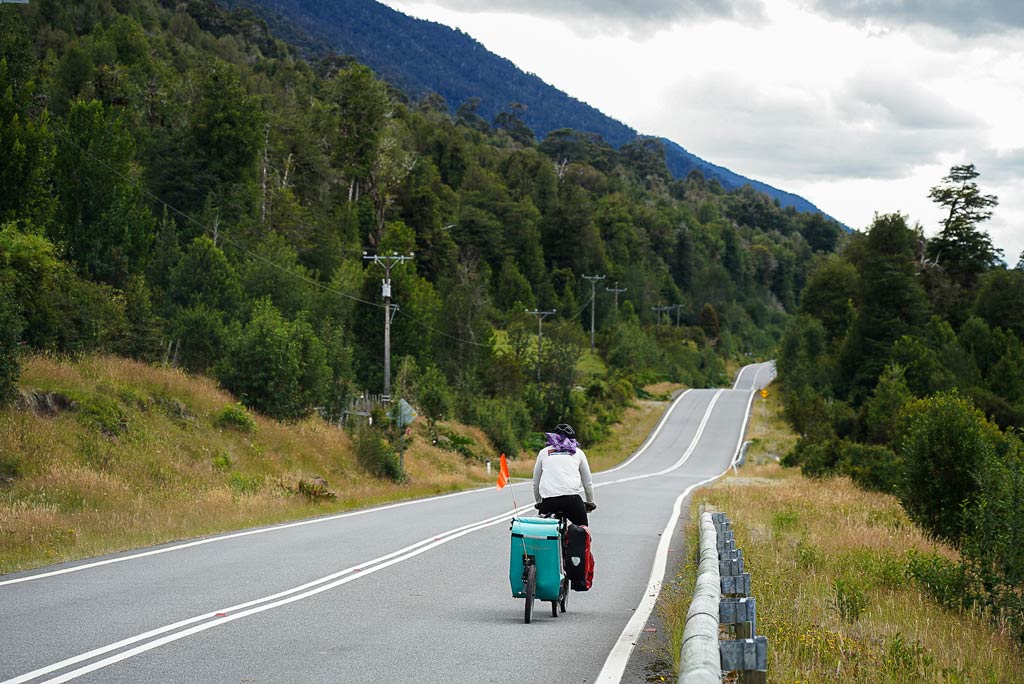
(560, 443)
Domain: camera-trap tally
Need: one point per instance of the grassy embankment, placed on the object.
(827, 562)
(152, 455)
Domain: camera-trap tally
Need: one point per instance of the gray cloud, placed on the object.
(636, 16)
(870, 127)
(999, 167)
(901, 102)
(963, 17)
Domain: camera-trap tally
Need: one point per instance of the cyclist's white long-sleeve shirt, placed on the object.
(558, 473)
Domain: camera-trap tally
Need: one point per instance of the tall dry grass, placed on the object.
(142, 461)
(828, 565)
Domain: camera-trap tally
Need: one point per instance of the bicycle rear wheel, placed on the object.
(529, 588)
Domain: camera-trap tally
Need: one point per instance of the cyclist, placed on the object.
(561, 477)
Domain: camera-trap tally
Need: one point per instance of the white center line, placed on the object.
(230, 614)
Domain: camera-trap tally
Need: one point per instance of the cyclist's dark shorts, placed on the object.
(570, 504)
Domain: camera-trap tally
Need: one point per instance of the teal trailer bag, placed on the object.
(538, 538)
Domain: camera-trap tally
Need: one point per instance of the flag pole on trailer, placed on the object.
(504, 479)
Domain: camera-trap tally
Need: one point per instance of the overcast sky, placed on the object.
(860, 106)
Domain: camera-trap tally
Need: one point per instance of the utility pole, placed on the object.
(387, 262)
(616, 290)
(678, 308)
(593, 295)
(659, 310)
(541, 315)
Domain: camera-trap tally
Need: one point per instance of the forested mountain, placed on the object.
(178, 185)
(905, 371)
(422, 57)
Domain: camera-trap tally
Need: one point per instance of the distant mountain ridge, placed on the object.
(419, 56)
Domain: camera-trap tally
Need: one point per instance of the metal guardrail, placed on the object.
(721, 597)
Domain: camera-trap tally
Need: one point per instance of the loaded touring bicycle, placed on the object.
(547, 557)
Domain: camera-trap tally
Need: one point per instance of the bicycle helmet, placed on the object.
(565, 430)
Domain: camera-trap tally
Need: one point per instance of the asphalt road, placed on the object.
(411, 592)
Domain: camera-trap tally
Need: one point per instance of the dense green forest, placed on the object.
(905, 371)
(177, 185)
(422, 57)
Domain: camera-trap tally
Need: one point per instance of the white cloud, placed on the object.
(962, 17)
(856, 117)
(869, 126)
(604, 17)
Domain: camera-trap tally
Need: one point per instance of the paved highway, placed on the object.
(411, 592)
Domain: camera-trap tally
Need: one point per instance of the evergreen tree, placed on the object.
(963, 251)
(893, 303)
(101, 222)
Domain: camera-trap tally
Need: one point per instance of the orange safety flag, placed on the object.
(503, 476)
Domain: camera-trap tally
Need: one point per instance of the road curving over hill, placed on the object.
(410, 592)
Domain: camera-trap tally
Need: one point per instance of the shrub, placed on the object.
(848, 599)
(506, 422)
(10, 466)
(199, 337)
(946, 581)
(10, 332)
(995, 524)
(316, 488)
(235, 417)
(275, 366)
(244, 484)
(943, 440)
(377, 456)
(871, 466)
(882, 409)
(816, 457)
(907, 660)
(433, 395)
(222, 462)
(452, 441)
(102, 413)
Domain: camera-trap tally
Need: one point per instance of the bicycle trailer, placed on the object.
(536, 541)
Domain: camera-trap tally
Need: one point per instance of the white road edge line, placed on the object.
(651, 438)
(225, 615)
(313, 521)
(237, 611)
(615, 665)
(266, 603)
(236, 535)
(618, 658)
(736, 385)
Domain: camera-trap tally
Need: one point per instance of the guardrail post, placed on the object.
(749, 657)
(720, 574)
(700, 660)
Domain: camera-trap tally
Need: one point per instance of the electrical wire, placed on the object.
(258, 257)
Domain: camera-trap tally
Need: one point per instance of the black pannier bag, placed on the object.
(579, 561)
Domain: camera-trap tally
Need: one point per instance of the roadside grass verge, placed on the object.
(829, 563)
(151, 455)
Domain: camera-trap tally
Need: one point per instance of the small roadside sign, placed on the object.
(764, 393)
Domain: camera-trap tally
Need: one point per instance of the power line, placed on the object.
(659, 310)
(206, 229)
(593, 296)
(617, 290)
(315, 283)
(387, 262)
(541, 315)
(221, 236)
